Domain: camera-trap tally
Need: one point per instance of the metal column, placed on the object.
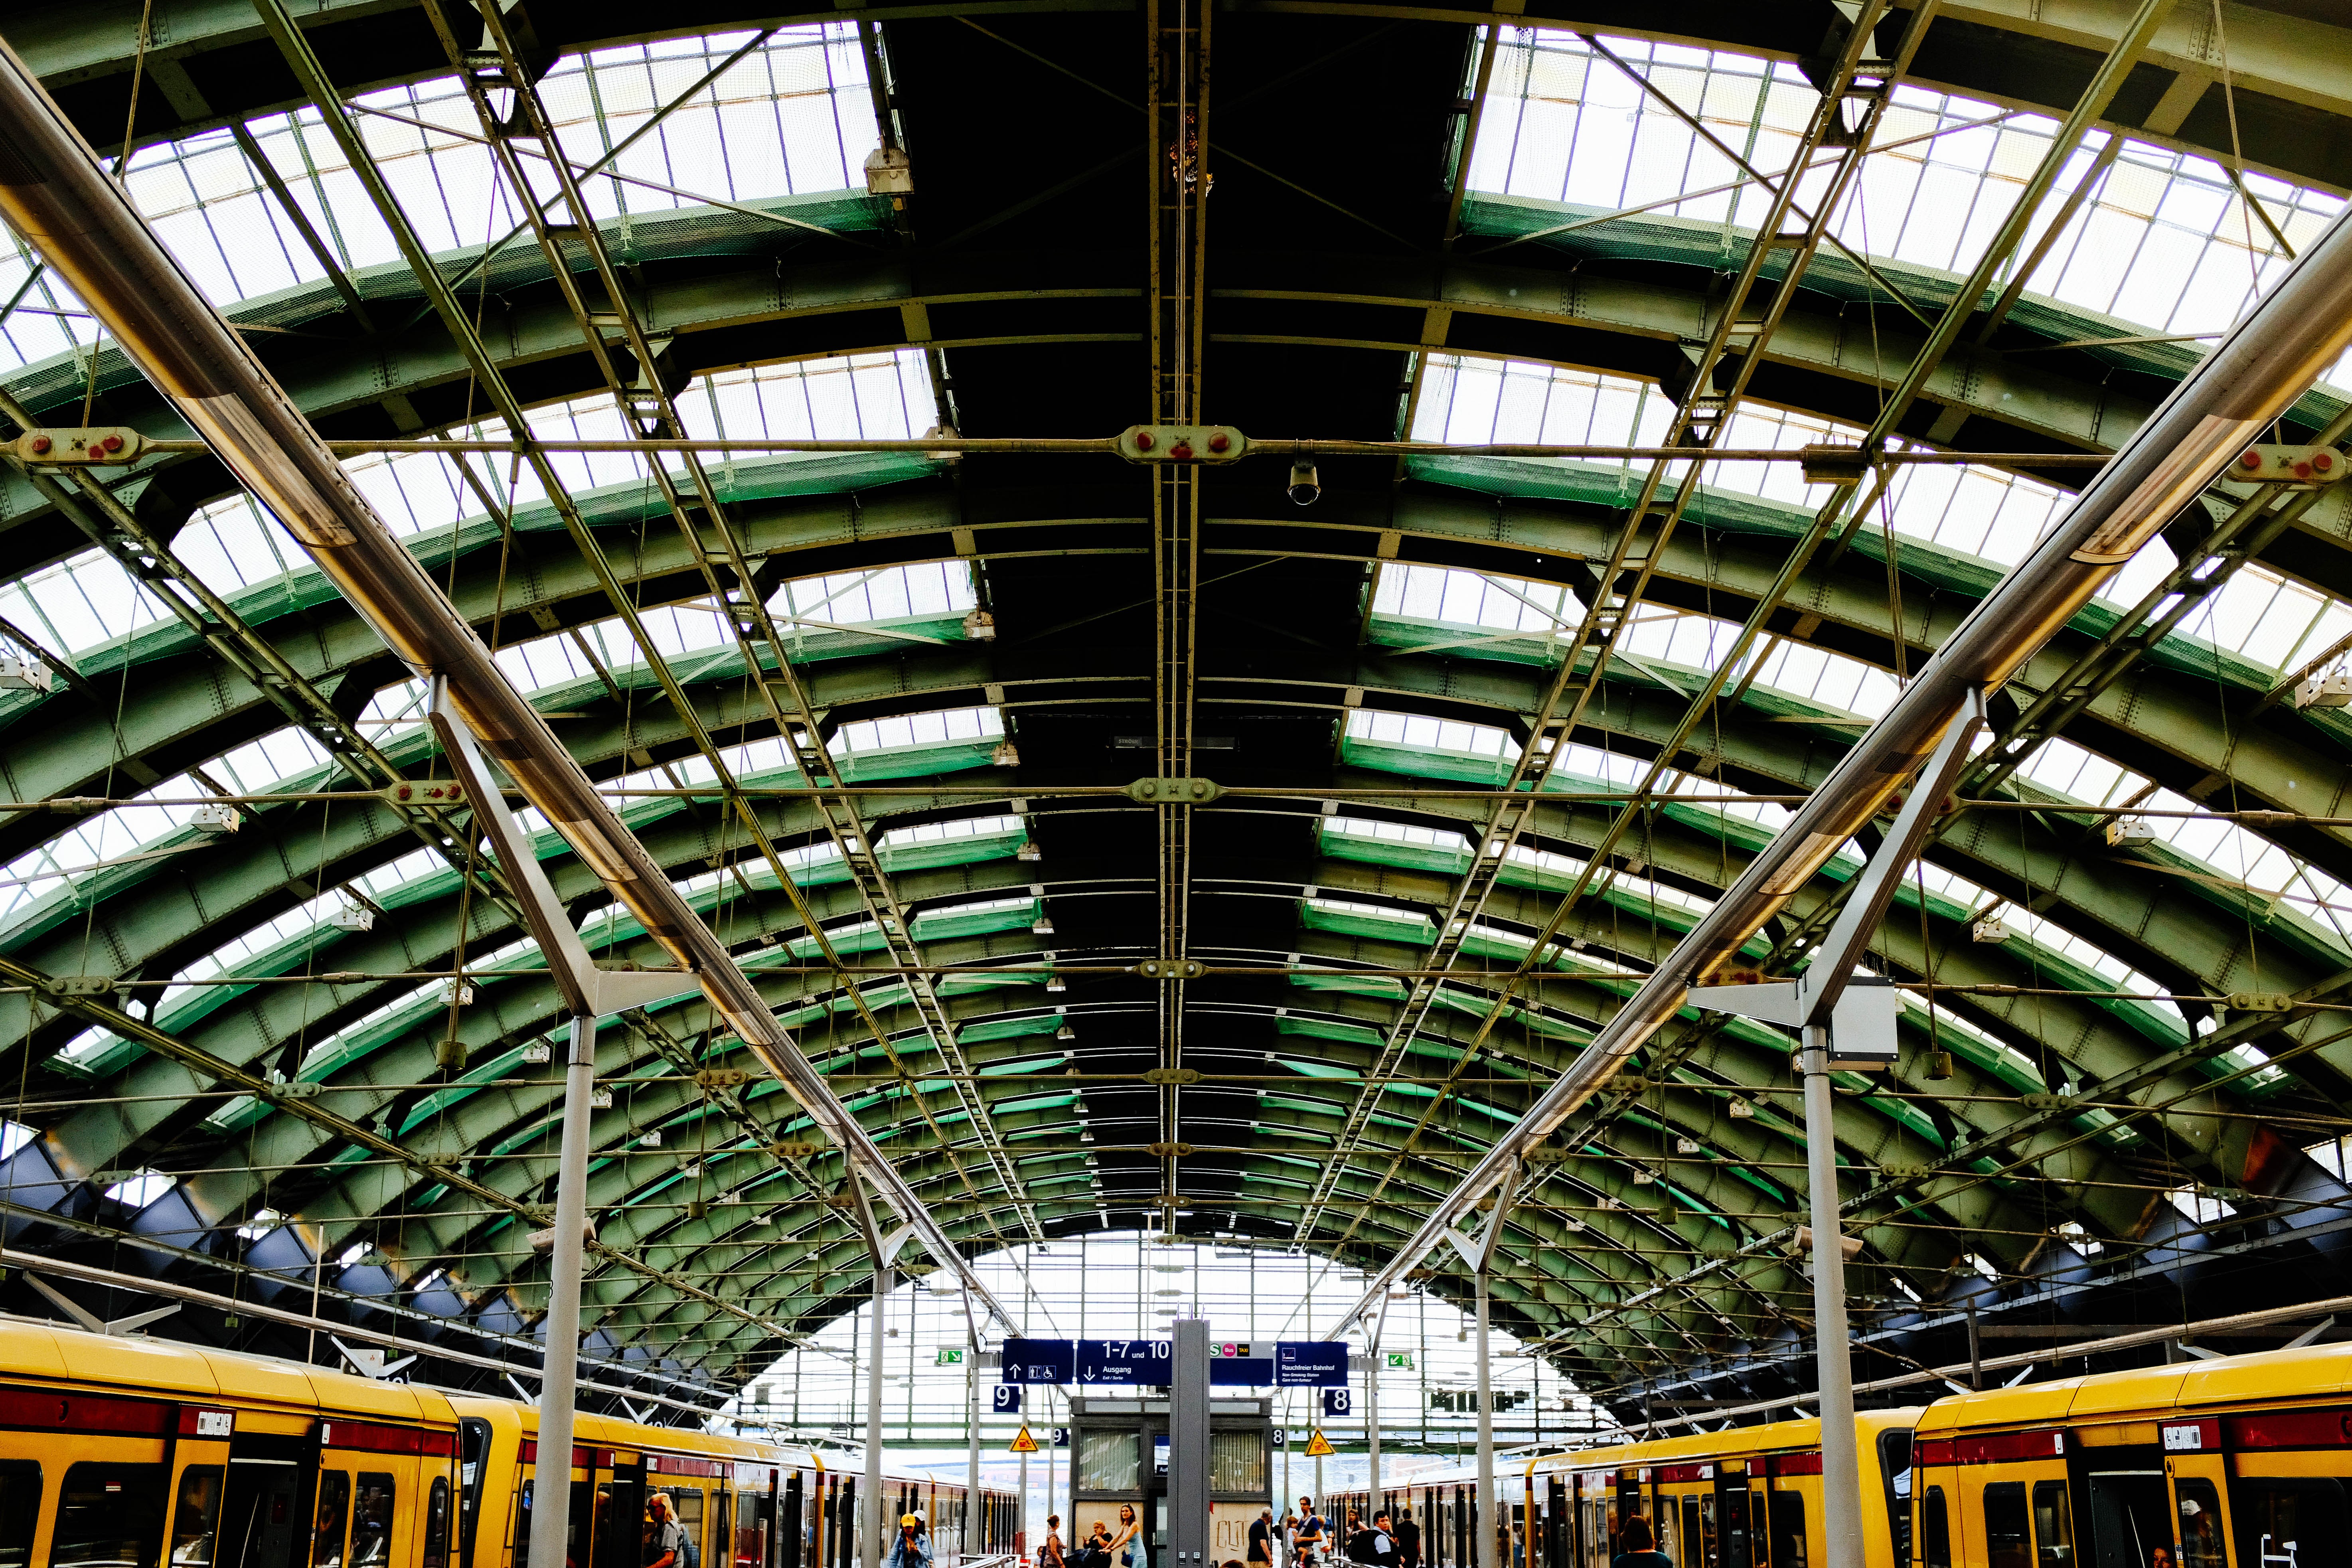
(1840, 1464)
(1486, 1501)
(549, 1526)
(972, 1436)
(1372, 1426)
(1843, 1028)
(1188, 1445)
(869, 1551)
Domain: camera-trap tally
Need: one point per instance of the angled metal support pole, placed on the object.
(1480, 1254)
(885, 1248)
(588, 993)
(1377, 1322)
(1846, 1023)
(972, 1433)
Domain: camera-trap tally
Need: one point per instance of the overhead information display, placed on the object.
(1144, 1363)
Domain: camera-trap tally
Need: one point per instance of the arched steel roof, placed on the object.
(2097, 1065)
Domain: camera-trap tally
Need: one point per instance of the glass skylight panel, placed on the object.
(1426, 733)
(891, 592)
(931, 729)
(2166, 242)
(1396, 832)
(1475, 598)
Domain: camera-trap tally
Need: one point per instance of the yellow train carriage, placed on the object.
(2242, 1462)
(129, 1453)
(140, 1453)
(1747, 1498)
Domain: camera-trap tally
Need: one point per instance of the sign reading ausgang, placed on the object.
(1283, 1363)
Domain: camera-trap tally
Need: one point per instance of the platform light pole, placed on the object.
(1846, 1025)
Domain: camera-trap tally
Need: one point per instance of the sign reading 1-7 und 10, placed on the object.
(1284, 1363)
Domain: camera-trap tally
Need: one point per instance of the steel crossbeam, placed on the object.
(1177, 181)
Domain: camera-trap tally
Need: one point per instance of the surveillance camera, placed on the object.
(1304, 486)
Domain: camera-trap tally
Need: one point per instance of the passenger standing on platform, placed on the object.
(665, 1539)
(1640, 1547)
(1408, 1535)
(1310, 1532)
(1261, 1537)
(1122, 1545)
(912, 1549)
(1384, 1542)
(1049, 1555)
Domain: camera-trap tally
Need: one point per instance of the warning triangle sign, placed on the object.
(1319, 1445)
(1024, 1444)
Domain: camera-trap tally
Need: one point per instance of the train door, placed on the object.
(194, 1461)
(788, 1522)
(2199, 1480)
(620, 1514)
(2130, 1506)
(1559, 1525)
(262, 1504)
(1732, 1532)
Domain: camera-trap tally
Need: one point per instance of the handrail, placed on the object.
(2298, 331)
(54, 193)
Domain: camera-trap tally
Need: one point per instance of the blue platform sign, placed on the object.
(1125, 1362)
(1310, 1364)
(1145, 1363)
(1339, 1402)
(1006, 1398)
(1040, 1361)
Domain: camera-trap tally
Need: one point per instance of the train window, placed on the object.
(196, 1517)
(2201, 1522)
(333, 1523)
(20, 1509)
(1698, 1535)
(436, 1524)
(110, 1514)
(2054, 1526)
(1786, 1519)
(372, 1520)
(2006, 1544)
(2298, 1520)
(474, 1452)
(1935, 1531)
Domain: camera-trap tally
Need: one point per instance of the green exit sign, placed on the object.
(949, 1357)
(1400, 1361)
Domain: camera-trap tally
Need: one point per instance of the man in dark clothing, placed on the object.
(1384, 1542)
(1372, 1546)
(1261, 1539)
(1408, 1539)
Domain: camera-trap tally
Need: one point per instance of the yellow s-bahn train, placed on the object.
(137, 1453)
(2236, 1462)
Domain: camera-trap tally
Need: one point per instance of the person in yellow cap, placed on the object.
(913, 1548)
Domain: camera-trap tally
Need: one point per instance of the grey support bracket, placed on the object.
(588, 992)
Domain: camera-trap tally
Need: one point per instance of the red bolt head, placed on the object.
(2323, 461)
(1219, 442)
(2303, 470)
(1143, 440)
(112, 444)
(1181, 451)
(406, 790)
(2250, 459)
(41, 442)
